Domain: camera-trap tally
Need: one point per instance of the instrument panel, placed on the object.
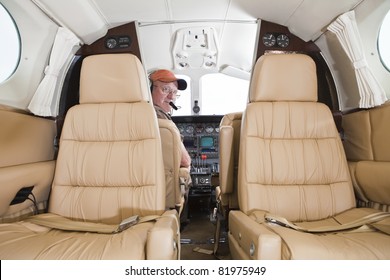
(201, 139)
(198, 128)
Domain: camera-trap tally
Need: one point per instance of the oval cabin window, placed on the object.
(10, 47)
(384, 41)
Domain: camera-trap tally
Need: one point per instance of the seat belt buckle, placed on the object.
(277, 222)
(128, 222)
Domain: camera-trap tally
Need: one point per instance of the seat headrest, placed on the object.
(284, 77)
(113, 78)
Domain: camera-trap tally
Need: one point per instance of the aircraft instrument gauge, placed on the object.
(269, 40)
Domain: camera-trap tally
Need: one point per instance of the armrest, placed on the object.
(13, 178)
(185, 180)
(359, 193)
(372, 177)
(226, 166)
(164, 238)
(255, 239)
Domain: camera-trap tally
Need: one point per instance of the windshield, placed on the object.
(220, 94)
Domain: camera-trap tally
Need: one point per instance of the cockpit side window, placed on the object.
(384, 41)
(10, 47)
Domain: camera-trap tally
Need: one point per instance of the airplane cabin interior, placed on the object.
(291, 165)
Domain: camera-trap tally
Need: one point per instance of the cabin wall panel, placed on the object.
(25, 138)
(26, 160)
(81, 17)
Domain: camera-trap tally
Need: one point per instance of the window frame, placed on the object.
(383, 31)
(13, 58)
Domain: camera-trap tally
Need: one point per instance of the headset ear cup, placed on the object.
(151, 82)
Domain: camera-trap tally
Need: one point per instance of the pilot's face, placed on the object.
(163, 93)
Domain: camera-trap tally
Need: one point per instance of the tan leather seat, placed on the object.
(293, 170)
(177, 178)
(109, 168)
(229, 144)
(226, 192)
(366, 143)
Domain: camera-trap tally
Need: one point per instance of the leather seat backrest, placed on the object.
(229, 144)
(366, 134)
(170, 141)
(366, 143)
(291, 162)
(110, 165)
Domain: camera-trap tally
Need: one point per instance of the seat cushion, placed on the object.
(16, 240)
(252, 237)
(333, 246)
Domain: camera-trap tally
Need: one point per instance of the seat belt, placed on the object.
(371, 219)
(59, 222)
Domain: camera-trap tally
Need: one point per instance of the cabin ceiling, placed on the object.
(90, 20)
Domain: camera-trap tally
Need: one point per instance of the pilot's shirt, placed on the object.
(161, 114)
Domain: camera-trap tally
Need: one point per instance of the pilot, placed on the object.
(164, 88)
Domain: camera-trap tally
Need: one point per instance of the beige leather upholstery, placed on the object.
(292, 165)
(14, 178)
(109, 168)
(25, 139)
(229, 143)
(226, 192)
(26, 159)
(366, 143)
(177, 178)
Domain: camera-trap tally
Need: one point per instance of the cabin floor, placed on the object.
(197, 234)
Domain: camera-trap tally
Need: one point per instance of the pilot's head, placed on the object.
(164, 88)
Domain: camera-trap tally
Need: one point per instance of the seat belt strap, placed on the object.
(371, 219)
(59, 222)
(385, 228)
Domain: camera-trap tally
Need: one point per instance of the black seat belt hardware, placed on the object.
(128, 222)
(22, 195)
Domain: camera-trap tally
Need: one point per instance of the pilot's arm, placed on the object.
(185, 157)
